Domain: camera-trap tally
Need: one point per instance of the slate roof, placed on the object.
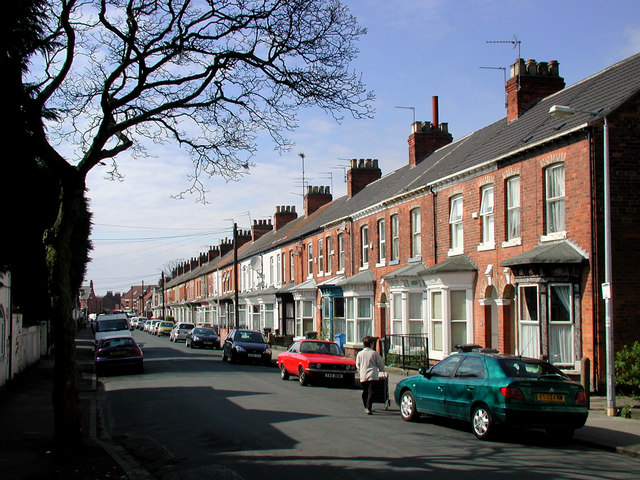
(554, 252)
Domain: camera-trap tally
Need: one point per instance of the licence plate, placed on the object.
(117, 353)
(254, 355)
(550, 397)
(333, 375)
(208, 343)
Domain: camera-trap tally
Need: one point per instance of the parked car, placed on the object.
(201, 337)
(491, 390)
(180, 331)
(316, 360)
(140, 323)
(111, 324)
(118, 351)
(164, 328)
(246, 345)
(153, 325)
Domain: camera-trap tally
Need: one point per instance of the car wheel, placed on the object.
(283, 373)
(302, 377)
(408, 410)
(482, 422)
(224, 356)
(232, 357)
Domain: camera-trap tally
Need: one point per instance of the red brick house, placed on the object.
(495, 238)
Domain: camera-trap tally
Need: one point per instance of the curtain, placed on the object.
(560, 325)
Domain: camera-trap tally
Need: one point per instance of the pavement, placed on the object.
(27, 451)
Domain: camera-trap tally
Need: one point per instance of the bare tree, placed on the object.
(207, 75)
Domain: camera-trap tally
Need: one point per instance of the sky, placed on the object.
(413, 50)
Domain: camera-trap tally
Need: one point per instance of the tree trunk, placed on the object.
(58, 242)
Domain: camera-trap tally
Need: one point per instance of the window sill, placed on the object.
(455, 251)
(394, 262)
(483, 247)
(381, 264)
(363, 268)
(414, 259)
(553, 236)
(514, 242)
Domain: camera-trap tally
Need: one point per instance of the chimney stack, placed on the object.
(259, 228)
(529, 83)
(428, 137)
(284, 215)
(315, 198)
(362, 173)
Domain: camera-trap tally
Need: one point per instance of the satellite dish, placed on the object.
(256, 263)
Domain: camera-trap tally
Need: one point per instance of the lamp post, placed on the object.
(564, 111)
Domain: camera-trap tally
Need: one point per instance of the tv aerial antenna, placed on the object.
(413, 110)
(504, 74)
(516, 44)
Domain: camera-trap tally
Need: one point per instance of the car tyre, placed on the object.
(302, 377)
(224, 356)
(408, 410)
(482, 422)
(283, 373)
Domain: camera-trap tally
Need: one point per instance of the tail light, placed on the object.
(581, 397)
(512, 393)
(136, 351)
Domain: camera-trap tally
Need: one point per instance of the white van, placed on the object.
(112, 324)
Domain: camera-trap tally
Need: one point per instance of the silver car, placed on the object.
(180, 331)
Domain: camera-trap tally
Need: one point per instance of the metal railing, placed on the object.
(409, 351)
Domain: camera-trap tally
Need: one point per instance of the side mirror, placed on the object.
(425, 372)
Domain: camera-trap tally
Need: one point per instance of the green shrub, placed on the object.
(627, 365)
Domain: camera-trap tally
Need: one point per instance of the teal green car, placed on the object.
(491, 391)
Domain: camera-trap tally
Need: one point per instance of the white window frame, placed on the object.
(341, 253)
(364, 246)
(416, 235)
(456, 212)
(382, 245)
(512, 192)
(395, 238)
(487, 218)
(320, 256)
(561, 328)
(555, 207)
(329, 249)
(310, 259)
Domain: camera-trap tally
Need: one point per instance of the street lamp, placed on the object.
(564, 111)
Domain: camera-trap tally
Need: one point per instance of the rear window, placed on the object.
(186, 326)
(117, 342)
(112, 325)
(523, 368)
(166, 324)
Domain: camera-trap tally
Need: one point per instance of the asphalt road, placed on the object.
(190, 415)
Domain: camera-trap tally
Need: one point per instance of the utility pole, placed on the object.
(163, 314)
(235, 274)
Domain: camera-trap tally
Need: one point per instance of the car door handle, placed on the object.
(470, 387)
(440, 387)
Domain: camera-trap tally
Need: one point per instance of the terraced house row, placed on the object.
(496, 238)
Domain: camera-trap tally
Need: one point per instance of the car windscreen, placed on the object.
(203, 331)
(250, 337)
(524, 368)
(323, 348)
(166, 324)
(112, 325)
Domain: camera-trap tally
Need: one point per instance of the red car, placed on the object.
(316, 360)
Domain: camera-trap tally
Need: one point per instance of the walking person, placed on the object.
(369, 364)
